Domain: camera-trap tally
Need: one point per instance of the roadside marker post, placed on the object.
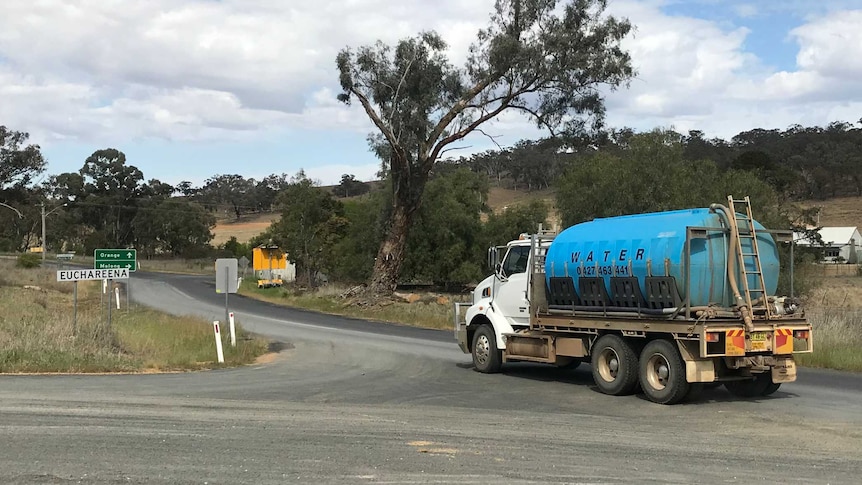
(219, 350)
(226, 280)
(111, 285)
(75, 313)
(232, 331)
(117, 294)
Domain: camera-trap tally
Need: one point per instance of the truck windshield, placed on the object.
(516, 260)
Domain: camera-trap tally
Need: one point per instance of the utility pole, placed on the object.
(43, 232)
(44, 216)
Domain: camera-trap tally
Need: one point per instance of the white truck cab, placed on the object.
(502, 299)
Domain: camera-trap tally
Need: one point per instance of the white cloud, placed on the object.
(746, 10)
(192, 70)
(195, 68)
(832, 45)
(696, 74)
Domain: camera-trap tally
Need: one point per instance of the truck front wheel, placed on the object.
(614, 365)
(662, 373)
(486, 357)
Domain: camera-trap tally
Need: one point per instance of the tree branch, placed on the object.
(456, 110)
(454, 148)
(461, 134)
(398, 89)
(492, 138)
(387, 132)
(540, 119)
(504, 103)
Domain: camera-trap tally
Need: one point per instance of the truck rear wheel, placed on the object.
(761, 385)
(771, 388)
(662, 373)
(614, 365)
(486, 357)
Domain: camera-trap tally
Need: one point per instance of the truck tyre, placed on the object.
(761, 385)
(771, 388)
(570, 364)
(662, 373)
(486, 358)
(614, 364)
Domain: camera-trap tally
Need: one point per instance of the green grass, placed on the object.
(159, 341)
(36, 332)
(428, 312)
(837, 334)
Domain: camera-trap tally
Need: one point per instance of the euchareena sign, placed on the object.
(92, 274)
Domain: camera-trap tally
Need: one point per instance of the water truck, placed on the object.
(667, 303)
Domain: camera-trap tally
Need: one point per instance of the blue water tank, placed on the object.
(637, 244)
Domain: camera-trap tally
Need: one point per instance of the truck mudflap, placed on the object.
(461, 326)
(784, 370)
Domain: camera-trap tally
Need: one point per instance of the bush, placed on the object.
(29, 260)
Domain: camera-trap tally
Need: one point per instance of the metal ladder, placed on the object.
(746, 232)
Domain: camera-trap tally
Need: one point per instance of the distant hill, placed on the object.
(842, 211)
(246, 228)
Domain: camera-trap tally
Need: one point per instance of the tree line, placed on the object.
(108, 203)
(800, 163)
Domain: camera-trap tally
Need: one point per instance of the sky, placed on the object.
(189, 89)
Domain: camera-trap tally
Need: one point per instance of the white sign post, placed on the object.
(226, 279)
(106, 275)
(117, 294)
(219, 351)
(232, 330)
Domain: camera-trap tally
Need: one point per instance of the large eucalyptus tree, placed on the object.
(547, 59)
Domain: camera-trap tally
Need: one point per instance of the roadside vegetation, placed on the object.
(834, 308)
(36, 332)
(837, 339)
(835, 311)
(428, 310)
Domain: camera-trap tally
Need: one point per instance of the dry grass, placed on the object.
(839, 292)
(834, 309)
(842, 211)
(428, 312)
(837, 334)
(36, 332)
(190, 266)
(498, 199)
(244, 229)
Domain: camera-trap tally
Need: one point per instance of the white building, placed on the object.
(840, 244)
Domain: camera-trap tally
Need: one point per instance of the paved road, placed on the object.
(358, 402)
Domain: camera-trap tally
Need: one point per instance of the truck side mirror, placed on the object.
(493, 258)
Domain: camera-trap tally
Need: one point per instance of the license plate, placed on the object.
(758, 341)
(758, 336)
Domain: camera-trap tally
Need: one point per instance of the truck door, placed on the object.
(510, 297)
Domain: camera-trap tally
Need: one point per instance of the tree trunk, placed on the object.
(408, 183)
(390, 256)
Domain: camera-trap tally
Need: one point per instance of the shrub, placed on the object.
(29, 260)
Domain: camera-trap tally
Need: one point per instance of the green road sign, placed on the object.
(115, 259)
